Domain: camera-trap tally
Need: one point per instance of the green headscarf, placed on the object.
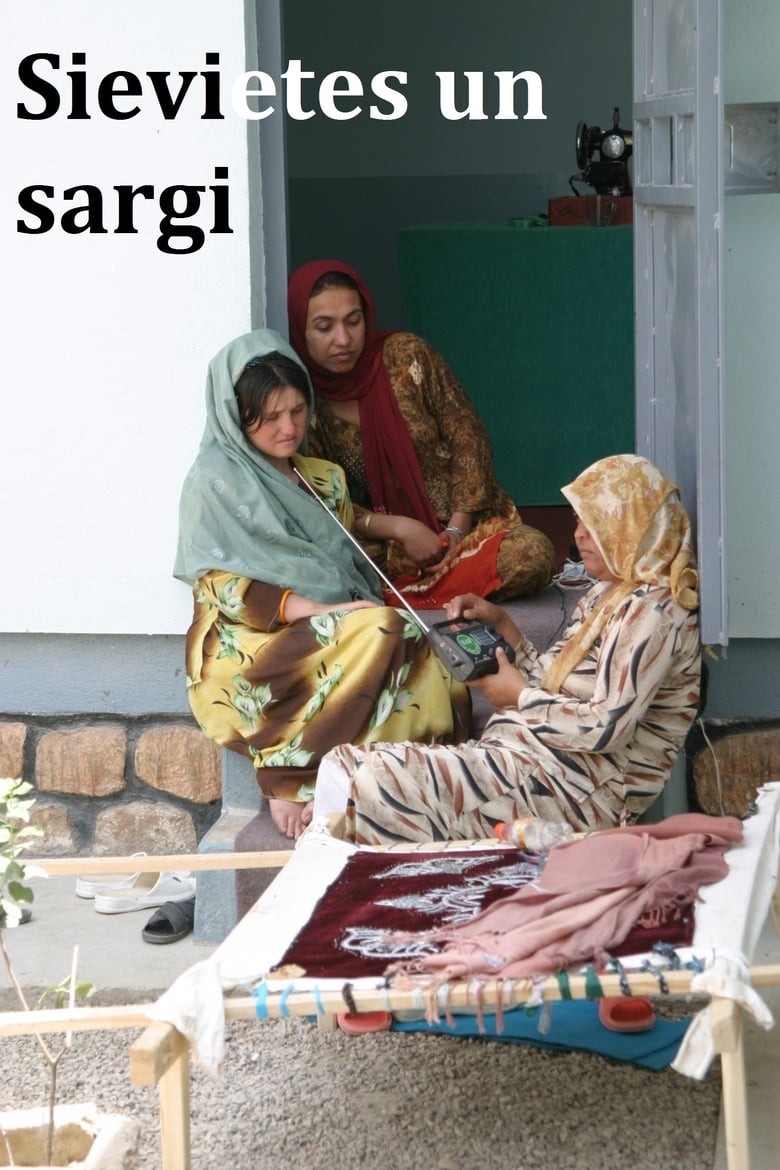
(239, 514)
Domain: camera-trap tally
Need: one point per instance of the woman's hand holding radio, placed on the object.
(472, 608)
(504, 688)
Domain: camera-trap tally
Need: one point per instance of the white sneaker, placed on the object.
(574, 576)
(148, 891)
(89, 884)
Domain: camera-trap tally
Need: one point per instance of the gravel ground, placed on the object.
(292, 1096)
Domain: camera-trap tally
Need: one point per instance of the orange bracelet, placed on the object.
(287, 593)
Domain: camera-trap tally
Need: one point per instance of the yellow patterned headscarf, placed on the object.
(642, 530)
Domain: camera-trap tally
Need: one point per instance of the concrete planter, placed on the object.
(84, 1139)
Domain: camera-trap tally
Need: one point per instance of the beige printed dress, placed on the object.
(599, 750)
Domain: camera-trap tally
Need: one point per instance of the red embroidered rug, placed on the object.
(380, 895)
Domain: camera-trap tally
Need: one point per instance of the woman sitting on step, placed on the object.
(418, 459)
(291, 650)
(587, 732)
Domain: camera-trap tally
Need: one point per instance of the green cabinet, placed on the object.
(538, 325)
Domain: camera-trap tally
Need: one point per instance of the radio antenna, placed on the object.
(425, 629)
(468, 653)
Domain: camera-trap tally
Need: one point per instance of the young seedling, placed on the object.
(16, 835)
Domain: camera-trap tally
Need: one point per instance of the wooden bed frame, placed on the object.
(161, 1055)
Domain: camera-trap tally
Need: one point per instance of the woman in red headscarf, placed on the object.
(417, 457)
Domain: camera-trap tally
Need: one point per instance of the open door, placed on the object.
(268, 196)
(678, 252)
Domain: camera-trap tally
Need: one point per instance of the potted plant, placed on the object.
(58, 1135)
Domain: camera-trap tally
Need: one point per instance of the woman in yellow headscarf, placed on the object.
(586, 732)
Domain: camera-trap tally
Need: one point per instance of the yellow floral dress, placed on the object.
(284, 695)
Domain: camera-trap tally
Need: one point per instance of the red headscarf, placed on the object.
(394, 474)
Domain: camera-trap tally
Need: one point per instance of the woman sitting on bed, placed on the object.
(586, 732)
(290, 650)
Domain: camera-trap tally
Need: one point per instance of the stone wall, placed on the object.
(112, 785)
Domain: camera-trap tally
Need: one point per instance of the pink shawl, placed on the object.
(589, 896)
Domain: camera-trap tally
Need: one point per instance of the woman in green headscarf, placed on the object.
(291, 650)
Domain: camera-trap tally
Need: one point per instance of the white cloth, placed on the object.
(195, 1005)
(331, 789)
(729, 979)
(728, 924)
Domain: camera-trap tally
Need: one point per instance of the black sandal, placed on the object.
(170, 922)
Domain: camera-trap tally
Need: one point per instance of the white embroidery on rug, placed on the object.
(429, 866)
(460, 903)
(383, 944)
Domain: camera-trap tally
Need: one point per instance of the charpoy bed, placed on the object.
(715, 964)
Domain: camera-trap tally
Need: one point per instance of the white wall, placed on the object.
(752, 311)
(105, 338)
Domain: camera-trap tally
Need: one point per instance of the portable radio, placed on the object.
(467, 649)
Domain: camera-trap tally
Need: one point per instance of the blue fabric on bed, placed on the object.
(573, 1025)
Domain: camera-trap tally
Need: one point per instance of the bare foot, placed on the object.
(290, 816)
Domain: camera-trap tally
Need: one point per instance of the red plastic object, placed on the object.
(358, 1023)
(626, 1013)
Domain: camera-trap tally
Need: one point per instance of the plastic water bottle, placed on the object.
(533, 833)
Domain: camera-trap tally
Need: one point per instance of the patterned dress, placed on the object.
(456, 459)
(284, 695)
(600, 749)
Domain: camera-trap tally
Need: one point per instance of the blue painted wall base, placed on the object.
(215, 902)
